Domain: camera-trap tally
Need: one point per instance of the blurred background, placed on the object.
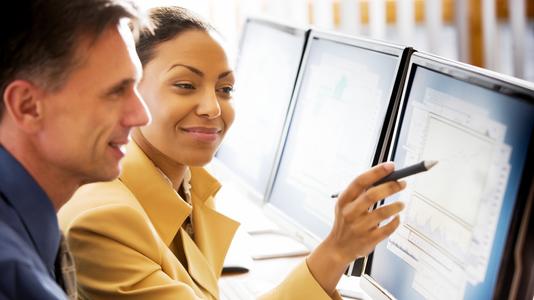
(494, 34)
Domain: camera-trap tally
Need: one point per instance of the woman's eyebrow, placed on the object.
(224, 74)
(190, 68)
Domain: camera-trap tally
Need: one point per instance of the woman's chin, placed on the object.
(199, 161)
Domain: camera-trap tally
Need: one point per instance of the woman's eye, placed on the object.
(187, 86)
(228, 90)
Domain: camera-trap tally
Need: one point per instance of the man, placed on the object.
(68, 76)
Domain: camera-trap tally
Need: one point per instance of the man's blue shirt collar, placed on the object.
(32, 205)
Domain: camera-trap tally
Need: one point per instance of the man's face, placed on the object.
(87, 122)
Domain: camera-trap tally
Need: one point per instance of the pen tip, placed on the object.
(430, 163)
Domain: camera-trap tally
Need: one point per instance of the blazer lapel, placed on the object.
(205, 256)
(166, 210)
(198, 267)
(213, 234)
(213, 231)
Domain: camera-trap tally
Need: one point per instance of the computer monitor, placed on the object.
(458, 237)
(345, 94)
(523, 282)
(268, 62)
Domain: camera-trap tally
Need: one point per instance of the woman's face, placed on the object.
(187, 87)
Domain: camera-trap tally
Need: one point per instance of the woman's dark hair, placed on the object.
(166, 24)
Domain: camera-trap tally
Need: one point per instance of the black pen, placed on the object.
(422, 166)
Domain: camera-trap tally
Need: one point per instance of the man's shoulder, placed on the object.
(16, 256)
(28, 277)
(13, 249)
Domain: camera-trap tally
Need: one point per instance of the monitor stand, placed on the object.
(372, 289)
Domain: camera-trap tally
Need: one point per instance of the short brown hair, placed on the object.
(167, 23)
(40, 44)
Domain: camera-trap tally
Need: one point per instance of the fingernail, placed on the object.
(389, 166)
(402, 183)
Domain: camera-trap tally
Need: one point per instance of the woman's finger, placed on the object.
(364, 181)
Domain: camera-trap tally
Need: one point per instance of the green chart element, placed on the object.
(340, 88)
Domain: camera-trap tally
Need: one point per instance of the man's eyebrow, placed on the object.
(190, 68)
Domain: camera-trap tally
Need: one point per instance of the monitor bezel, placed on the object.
(277, 25)
(510, 262)
(296, 229)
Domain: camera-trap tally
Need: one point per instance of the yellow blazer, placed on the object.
(127, 237)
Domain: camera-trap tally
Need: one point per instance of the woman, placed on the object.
(153, 233)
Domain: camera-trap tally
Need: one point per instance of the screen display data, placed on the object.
(457, 214)
(334, 131)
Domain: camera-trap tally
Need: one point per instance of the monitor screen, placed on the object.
(267, 67)
(343, 93)
(455, 226)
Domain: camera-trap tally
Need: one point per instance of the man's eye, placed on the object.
(118, 91)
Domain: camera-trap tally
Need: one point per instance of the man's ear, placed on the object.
(23, 103)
